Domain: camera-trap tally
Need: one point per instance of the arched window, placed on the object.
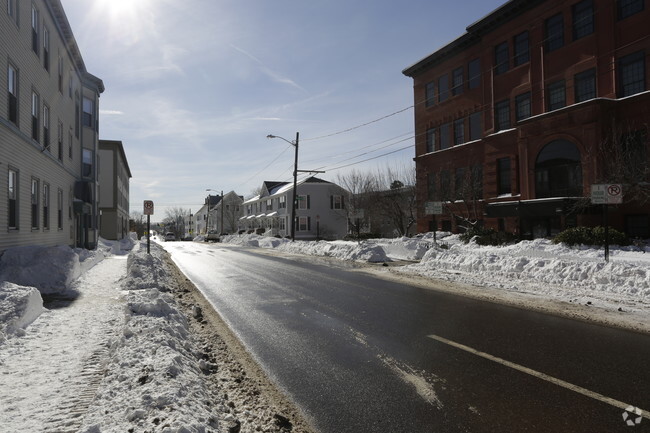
(558, 172)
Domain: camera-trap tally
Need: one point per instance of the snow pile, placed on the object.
(155, 377)
(49, 269)
(538, 267)
(19, 307)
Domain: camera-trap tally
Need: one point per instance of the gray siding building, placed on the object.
(48, 130)
(114, 175)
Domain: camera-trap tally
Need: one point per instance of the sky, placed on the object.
(193, 87)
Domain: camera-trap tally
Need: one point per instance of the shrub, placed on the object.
(590, 236)
(487, 236)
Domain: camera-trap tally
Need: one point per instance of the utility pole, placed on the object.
(295, 186)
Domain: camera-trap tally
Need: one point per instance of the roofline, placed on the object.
(120, 147)
(474, 32)
(65, 30)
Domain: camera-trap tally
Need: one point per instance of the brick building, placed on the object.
(537, 101)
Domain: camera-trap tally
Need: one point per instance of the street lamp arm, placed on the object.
(293, 143)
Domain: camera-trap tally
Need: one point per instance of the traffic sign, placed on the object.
(611, 193)
(148, 207)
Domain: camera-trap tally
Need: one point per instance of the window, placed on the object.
(504, 185)
(77, 113)
(474, 74)
(70, 144)
(35, 115)
(457, 81)
(303, 202)
(443, 88)
(431, 186)
(70, 85)
(337, 202)
(522, 106)
(445, 185)
(88, 108)
(522, 49)
(476, 180)
(554, 33)
(87, 165)
(12, 89)
(556, 95)
(584, 85)
(60, 77)
(304, 224)
(502, 115)
(59, 140)
(35, 193)
(501, 58)
(46, 48)
(34, 29)
(46, 206)
(583, 19)
(12, 195)
(445, 136)
(459, 183)
(558, 172)
(12, 11)
(475, 128)
(429, 94)
(459, 132)
(626, 8)
(631, 74)
(431, 140)
(46, 126)
(282, 202)
(269, 204)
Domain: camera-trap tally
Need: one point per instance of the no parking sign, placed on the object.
(611, 193)
(148, 207)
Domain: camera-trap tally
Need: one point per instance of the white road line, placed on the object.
(537, 374)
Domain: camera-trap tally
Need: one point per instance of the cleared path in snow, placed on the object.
(57, 365)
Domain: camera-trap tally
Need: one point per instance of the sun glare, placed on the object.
(117, 8)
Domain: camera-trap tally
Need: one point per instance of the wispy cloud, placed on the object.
(275, 76)
(111, 112)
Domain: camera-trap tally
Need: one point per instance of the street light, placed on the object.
(221, 232)
(295, 181)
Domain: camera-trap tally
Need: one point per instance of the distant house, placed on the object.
(225, 214)
(201, 217)
(114, 175)
(320, 210)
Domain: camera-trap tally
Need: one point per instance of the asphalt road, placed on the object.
(361, 354)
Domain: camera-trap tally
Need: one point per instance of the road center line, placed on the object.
(539, 375)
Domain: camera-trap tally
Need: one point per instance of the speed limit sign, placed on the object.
(148, 207)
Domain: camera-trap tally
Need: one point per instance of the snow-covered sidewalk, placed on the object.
(50, 374)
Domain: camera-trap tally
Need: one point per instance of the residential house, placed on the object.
(202, 221)
(225, 214)
(320, 210)
(114, 175)
(48, 130)
(517, 118)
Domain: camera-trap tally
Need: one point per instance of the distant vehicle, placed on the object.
(169, 236)
(212, 236)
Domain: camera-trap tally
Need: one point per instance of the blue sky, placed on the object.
(193, 87)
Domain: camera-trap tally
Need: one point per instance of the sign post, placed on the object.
(148, 211)
(433, 208)
(606, 194)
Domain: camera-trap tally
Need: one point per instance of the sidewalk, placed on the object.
(50, 375)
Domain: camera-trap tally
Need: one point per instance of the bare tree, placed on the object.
(395, 197)
(138, 223)
(174, 221)
(624, 158)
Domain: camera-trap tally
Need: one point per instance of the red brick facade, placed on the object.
(517, 146)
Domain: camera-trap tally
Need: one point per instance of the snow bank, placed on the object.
(19, 307)
(155, 380)
(49, 269)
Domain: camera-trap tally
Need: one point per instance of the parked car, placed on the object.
(169, 236)
(212, 236)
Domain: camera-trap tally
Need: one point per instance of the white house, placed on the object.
(225, 214)
(320, 210)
